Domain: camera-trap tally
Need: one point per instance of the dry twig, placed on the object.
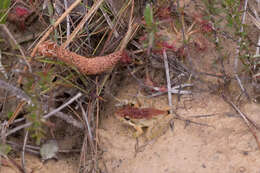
(244, 117)
(15, 91)
(167, 72)
(23, 150)
(45, 116)
(82, 22)
(15, 44)
(69, 119)
(237, 54)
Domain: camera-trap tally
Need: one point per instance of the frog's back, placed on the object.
(139, 113)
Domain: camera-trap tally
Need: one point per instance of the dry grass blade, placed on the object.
(82, 22)
(111, 25)
(15, 44)
(45, 36)
(89, 132)
(15, 91)
(255, 21)
(85, 65)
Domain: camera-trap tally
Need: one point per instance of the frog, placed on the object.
(149, 121)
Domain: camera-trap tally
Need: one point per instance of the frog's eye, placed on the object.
(127, 118)
(132, 104)
(168, 112)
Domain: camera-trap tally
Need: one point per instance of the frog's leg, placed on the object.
(158, 128)
(139, 131)
(148, 133)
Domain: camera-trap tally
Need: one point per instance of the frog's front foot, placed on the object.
(139, 131)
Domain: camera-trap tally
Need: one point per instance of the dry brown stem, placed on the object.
(85, 65)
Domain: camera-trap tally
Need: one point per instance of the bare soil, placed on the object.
(225, 145)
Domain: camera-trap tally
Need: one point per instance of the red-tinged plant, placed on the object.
(125, 59)
(163, 13)
(18, 16)
(205, 25)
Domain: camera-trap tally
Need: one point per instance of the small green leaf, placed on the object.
(9, 115)
(148, 15)
(4, 5)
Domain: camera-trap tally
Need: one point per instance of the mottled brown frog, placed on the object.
(155, 121)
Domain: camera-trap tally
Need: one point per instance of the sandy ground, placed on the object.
(226, 146)
(67, 164)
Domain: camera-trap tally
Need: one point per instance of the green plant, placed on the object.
(150, 24)
(229, 13)
(233, 13)
(37, 131)
(4, 5)
(35, 85)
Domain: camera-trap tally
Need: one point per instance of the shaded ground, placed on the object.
(33, 164)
